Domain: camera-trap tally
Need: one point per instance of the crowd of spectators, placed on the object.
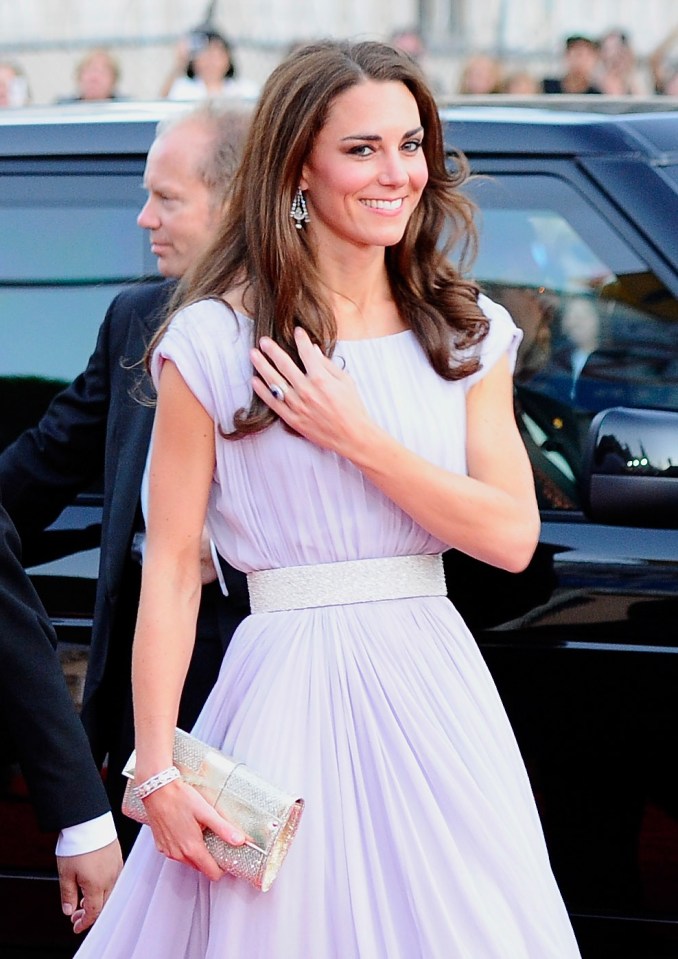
(205, 66)
(590, 65)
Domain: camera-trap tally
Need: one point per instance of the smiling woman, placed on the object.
(362, 187)
(295, 385)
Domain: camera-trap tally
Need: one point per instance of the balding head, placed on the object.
(228, 125)
(188, 174)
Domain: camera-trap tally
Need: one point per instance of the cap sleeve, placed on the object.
(503, 337)
(183, 344)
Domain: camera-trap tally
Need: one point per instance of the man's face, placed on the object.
(582, 58)
(179, 212)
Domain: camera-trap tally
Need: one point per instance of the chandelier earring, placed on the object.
(299, 211)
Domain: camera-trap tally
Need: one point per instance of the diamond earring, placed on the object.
(299, 211)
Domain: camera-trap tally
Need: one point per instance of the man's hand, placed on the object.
(86, 882)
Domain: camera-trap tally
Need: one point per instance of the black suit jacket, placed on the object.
(100, 424)
(38, 723)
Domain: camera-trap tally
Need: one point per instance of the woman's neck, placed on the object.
(359, 294)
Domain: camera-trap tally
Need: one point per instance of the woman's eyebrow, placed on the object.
(374, 137)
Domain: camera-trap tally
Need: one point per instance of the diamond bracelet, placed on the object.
(160, 779)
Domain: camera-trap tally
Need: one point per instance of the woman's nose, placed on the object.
(393, 172)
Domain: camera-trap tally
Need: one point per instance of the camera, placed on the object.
(197, 42)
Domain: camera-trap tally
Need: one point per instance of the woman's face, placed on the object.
(367, 169)
(212, 63)
(96, 79)
(481, 75)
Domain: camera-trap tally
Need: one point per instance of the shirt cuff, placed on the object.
(86, 836)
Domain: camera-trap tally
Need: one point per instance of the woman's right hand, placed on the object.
(178, 815)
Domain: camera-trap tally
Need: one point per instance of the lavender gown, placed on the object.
(420, 838)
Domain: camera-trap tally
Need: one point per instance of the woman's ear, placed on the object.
(303, 182)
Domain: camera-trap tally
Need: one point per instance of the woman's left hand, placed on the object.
(322, 403)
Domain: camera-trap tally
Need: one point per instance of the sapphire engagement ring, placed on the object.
(278, 390)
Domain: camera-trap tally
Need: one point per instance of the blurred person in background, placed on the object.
(13, 85)
(410, 41)
(481, 74)
(204, 67)
(617, 74)
(581, 59)
(521, 83)
(664, 70)
(96, 77)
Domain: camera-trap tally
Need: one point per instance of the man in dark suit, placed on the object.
(41, 730)
(101, 424)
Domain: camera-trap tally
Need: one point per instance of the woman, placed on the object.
(618, 75)
(481, 74)
(204, 67)
(339, 401)
(97, 77)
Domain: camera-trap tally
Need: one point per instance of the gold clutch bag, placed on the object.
(263, 811)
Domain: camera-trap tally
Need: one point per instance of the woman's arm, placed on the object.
(181, 470)
(490, 514)
(182, 56)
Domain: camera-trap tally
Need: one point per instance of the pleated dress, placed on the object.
(420, 837)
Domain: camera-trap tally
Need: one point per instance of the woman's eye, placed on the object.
(411, 146)
(361, 150)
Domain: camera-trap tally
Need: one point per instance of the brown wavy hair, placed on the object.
(259, 250)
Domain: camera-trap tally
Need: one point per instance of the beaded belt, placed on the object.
(353, 581)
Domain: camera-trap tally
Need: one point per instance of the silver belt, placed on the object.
(352, 581)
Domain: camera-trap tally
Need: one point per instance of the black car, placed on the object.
(577, 240)
(576, 214)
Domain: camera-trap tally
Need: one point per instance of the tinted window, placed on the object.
(600, 329)
(671, 171)
(68, 243)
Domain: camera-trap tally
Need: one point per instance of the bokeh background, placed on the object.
(48, 37)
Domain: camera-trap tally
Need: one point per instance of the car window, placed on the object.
(671, 170)
(600, 329)
(68, 244)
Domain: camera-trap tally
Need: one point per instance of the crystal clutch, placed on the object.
(266, 813)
